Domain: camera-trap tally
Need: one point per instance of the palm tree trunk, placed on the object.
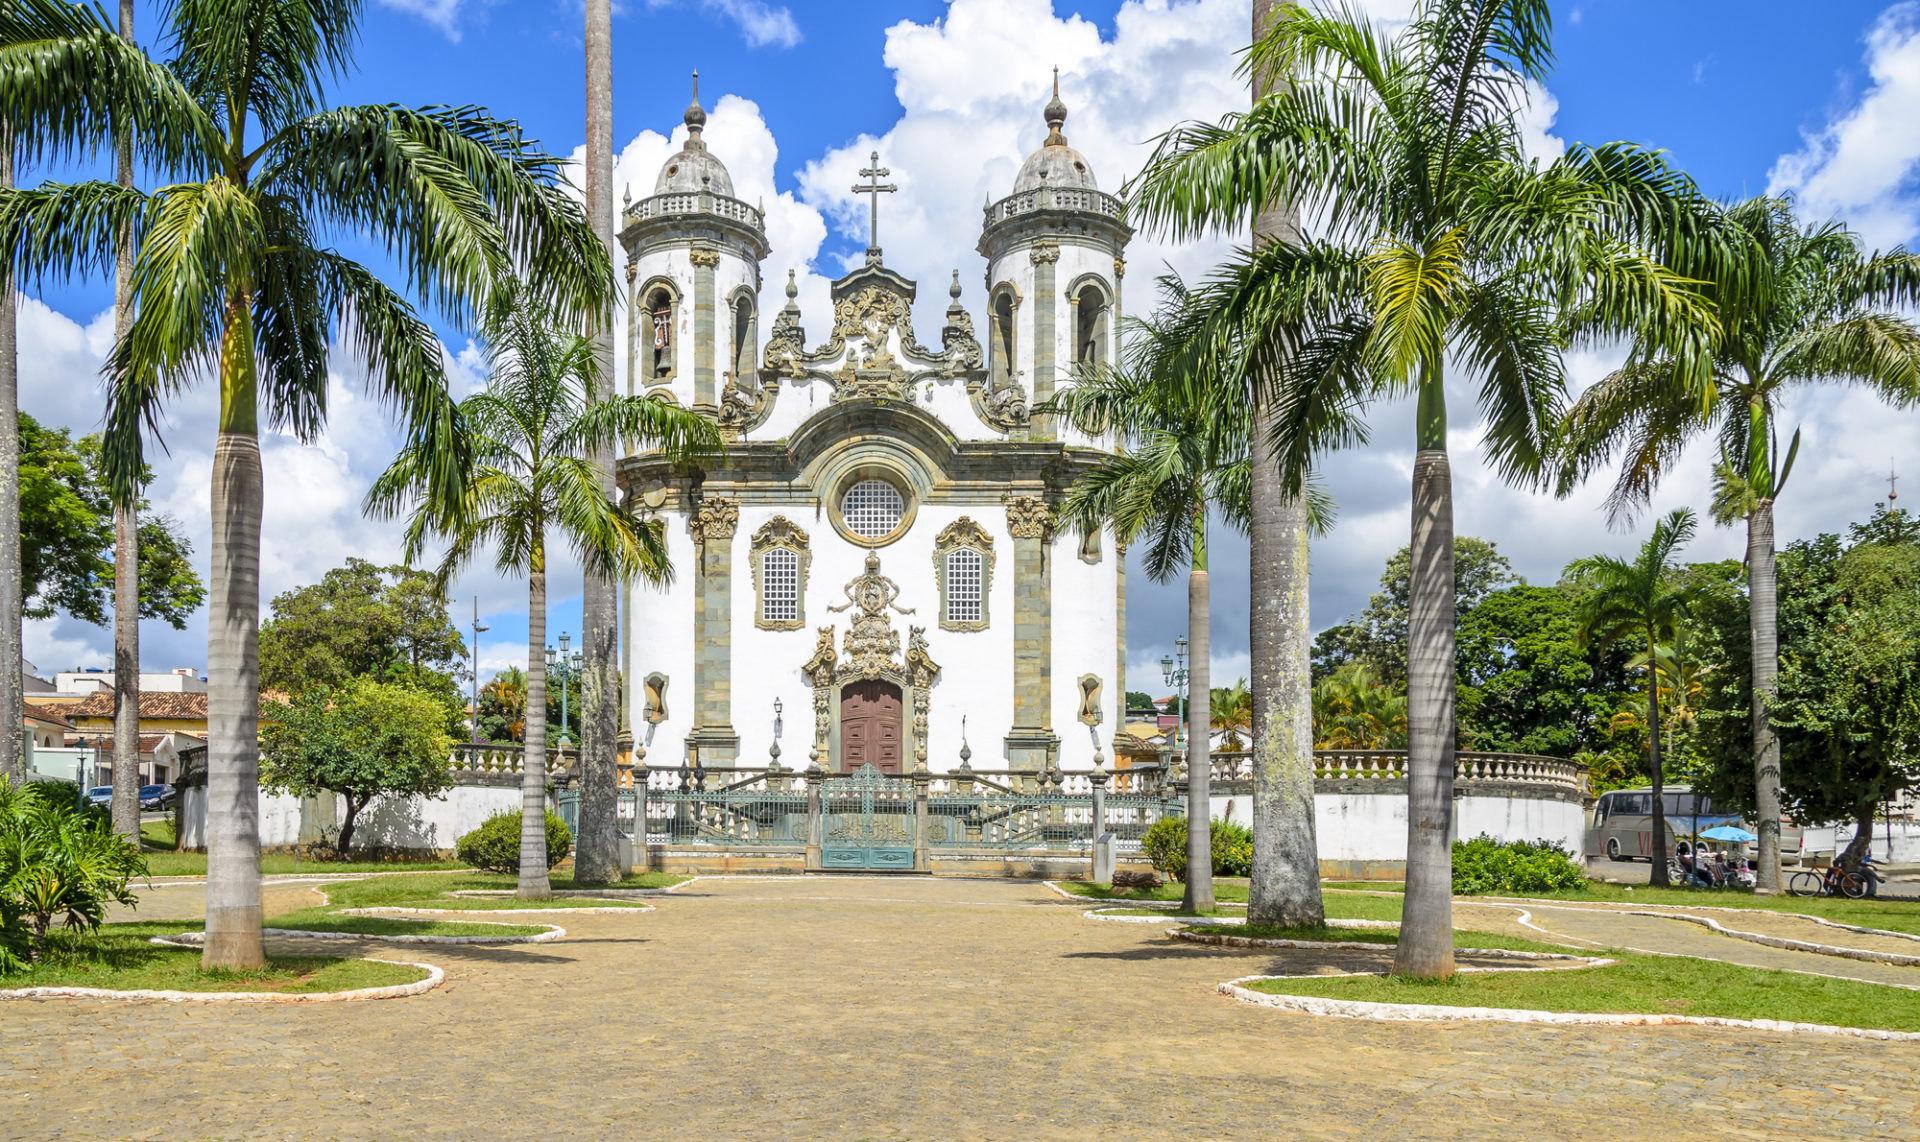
(1763, 611)
(1659, 879)
(1426, 923)
(534, 884)
(1286, 859)
(1198, 895)
(596, 848)
(13, 682)
(126, 545)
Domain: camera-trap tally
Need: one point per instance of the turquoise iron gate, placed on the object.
(867, 821)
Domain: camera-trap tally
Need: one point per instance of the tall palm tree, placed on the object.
(1824, 312)
(13, 683)
(233, 279)
(1231, 708)
(596, 855)
(1180, 459)
(1438, 242)
(1640, 599)
(126, 540)
(535, 431)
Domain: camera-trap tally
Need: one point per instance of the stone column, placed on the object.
(1031, 742)
(1120, 636)
(1046, 304)
(815, 778)
(704, 326)
(922, 856)
(713, 742)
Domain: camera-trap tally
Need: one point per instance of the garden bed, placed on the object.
(123, 958)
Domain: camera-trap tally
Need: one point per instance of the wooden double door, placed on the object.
(870, 727)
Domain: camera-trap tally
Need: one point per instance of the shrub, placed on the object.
(57, 861)
(1129, 879)
(1484, 865)
(495, 845)
(1165, 846)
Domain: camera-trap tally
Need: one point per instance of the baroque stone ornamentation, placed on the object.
(963, 533)
(1045, 252)
(705, 258)
(782, 533)
(1030, 517)
(872, 645)
(870, 314)
(1090, 712)
(715, 517)
(741, 410)
(787, 341)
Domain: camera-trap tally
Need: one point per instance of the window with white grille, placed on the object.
(872, 509)
(963, 586)
(779, 586)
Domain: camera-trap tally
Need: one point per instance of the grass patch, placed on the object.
(433, 892)
(1365, 885)
(1893, 915)
(1462, 938)
(157, 834)
(119, 958)
(275, 864)
(321, 920)
(1230, 890)
(1654, 985)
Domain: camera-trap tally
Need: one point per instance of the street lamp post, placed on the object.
(478, 628)
(565, 667)
(1173, 668)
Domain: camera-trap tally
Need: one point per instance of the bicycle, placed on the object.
(1827, 880)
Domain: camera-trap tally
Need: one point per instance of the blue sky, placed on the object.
(1822, 99)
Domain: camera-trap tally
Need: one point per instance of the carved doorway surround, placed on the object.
(873, 656)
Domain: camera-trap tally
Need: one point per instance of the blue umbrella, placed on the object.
(1729, 833)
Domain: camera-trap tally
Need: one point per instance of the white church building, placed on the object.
(876, 555)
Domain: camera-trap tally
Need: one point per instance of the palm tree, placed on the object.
(1639, 599)
(233, 279)
(126, 540)
(1179, 459)
(535, 431)
(596, 856)
(1822, 311)
(1353, 709)
(508, 691)
(1440, 243)
(13, 683)
(1231, 708)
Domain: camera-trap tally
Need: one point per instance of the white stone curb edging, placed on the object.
(1791, 945)
(631, 909)
(1228, 940)
(553, 932)
(435, 977)
(1435, 1013)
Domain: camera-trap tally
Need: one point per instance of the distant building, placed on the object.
(181, 680)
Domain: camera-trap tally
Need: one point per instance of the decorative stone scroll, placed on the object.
(706, 258)
(715, 517)
(1030, 517)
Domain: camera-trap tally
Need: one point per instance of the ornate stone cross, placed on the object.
(873, 174)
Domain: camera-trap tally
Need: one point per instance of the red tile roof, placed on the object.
(44, 714)
(190, 706)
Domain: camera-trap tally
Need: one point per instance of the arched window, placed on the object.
(1000, 340)
(963, 563)
(745, 341)
(657, 314)
(780, 555)
(1091, 331)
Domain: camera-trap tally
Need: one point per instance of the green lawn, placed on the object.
(119, 957)
(273, 864)
(1639, 985)
(321, 920)
(1894, 915)
(432, 892)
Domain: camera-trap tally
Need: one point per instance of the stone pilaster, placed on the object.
(1031, 743)
(1046, 306)
(713, 742)
(1120, 635)
(705, 323)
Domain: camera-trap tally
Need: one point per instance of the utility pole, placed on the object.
(479, 627)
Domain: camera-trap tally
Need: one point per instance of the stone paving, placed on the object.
(870, 1008)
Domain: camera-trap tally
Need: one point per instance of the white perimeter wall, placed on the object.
(1373, 826)
(409, 823)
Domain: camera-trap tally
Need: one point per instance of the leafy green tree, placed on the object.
(361, 739)
(1378, 637)
(67, 540)
(1817, 309)
(1231, 710)
(1643, 599)
(236, 280)
(1139, 700)
(1526, 682)
(503, 706)
(360, 621)
(1440, 243)
(1354, 709)
(535, 430)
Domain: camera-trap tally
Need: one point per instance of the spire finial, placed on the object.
(793, 288)
(695, 119)
(1056, 114)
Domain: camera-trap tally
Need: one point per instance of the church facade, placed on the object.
(874, 567)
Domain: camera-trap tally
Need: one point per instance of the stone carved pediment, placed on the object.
(872, 645)
(872, 351)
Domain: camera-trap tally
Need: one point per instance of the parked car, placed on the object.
(100, 795)
(154, 798)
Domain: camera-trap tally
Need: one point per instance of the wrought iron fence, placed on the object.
(728, 808)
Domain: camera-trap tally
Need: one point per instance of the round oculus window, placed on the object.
(871, 509)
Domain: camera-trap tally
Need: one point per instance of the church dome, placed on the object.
(1055, 163)
(693, 168)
